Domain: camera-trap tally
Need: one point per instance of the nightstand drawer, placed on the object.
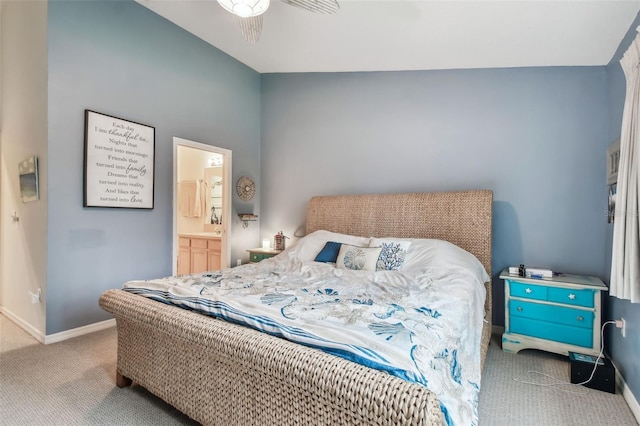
(257, 257)
(551, 313)
(556, 332)
(572, 297)
(528, 291)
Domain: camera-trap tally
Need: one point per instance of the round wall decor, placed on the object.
(246, 188)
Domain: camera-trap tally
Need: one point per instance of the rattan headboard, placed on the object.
(463, 217)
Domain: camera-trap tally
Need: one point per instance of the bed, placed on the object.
(219, 372)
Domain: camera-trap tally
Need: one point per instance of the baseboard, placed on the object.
(80, 331)
(628, 395)
(56, 337)
(39, 336)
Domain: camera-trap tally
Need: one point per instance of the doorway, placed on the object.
(201, 206)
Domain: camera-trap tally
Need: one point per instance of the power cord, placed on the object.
(562, 382)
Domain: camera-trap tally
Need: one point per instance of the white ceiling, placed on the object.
(392, 35)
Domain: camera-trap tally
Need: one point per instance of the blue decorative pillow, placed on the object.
(329, 253)
(392, 255)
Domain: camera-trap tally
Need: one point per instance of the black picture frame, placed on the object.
(119, 162)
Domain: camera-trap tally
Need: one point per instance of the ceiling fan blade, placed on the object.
(316, 6)
(251, 28)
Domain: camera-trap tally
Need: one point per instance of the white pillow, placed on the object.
(393, 254)
(307, 248)
(426, 253)
(358, 258)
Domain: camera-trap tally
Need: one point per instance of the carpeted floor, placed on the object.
(72, 383)
(505, 401)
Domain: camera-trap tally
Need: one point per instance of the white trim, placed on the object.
(226, 198)
(632, 402)
(80, 331)
(56, 337)
(35, 333)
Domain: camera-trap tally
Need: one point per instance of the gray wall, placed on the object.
(121, 59)
(624, 352)
(535, 136)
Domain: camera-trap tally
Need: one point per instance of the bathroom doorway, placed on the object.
(201, 207)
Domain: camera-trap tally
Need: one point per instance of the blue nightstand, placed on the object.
(559, 314)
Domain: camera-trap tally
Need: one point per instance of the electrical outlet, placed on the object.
(239, 262)
(622, 325)
(35, 298)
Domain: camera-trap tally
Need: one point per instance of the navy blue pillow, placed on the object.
(329, 252)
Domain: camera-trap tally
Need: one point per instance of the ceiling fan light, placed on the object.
(245, 8)
(251, 28)
(242, 9)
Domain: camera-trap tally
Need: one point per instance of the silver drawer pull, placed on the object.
(572, 296)
(580, 318)
(528, 290)
(519, 308)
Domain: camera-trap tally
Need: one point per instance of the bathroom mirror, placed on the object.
(213, 219)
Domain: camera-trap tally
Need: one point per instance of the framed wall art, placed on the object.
(611, 211)
(119, 161)
(613, 162)
(28, 171)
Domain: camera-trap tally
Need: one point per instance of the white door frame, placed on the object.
(226, 198)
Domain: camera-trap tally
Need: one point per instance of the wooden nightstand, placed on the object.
(258, 254)
(559, 314)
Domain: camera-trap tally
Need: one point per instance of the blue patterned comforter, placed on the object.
(424, 327)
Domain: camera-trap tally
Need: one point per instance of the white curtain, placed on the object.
(625, 263)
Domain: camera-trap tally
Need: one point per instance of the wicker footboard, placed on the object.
(221, 373)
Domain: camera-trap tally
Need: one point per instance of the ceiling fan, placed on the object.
(250, 12)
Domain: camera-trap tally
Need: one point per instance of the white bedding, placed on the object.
(422, 324)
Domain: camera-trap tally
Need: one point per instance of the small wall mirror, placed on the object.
(213, 219)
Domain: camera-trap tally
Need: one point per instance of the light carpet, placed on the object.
(505, 401)
(73, 383)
